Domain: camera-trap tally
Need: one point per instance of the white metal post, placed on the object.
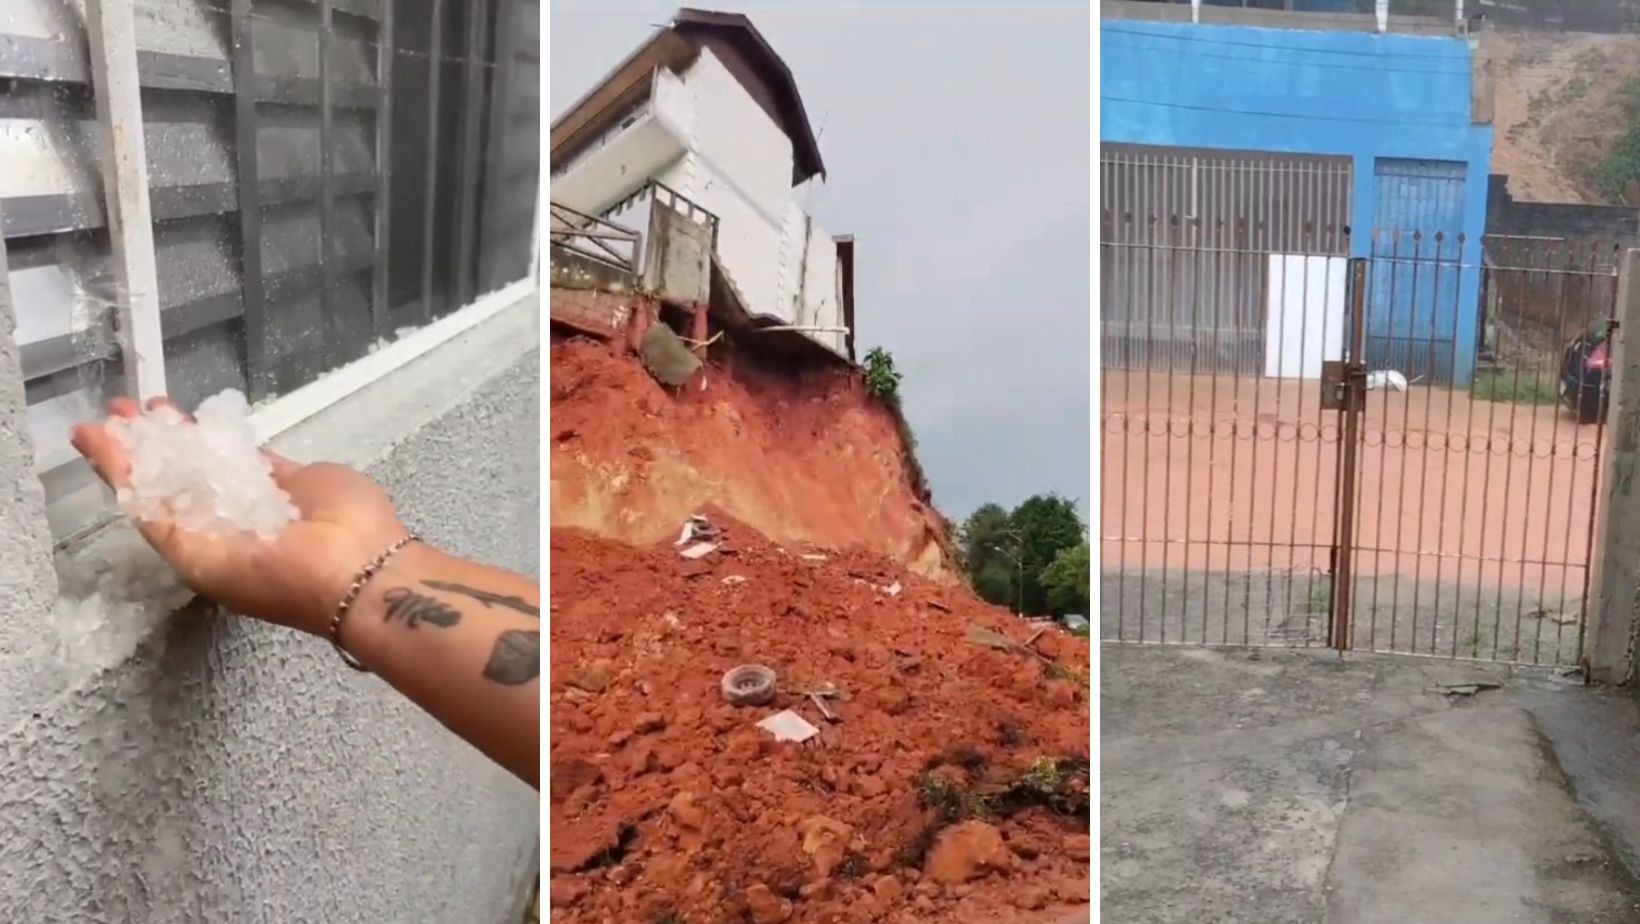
(1195, 10)
(540, 219)
(1381, 10)
(111, 28)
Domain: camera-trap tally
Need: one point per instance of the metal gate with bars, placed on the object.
(1207, 222)
(1323, 497)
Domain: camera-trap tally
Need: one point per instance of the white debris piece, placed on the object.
(209, 476)
(788, 726)
(698, 527)
(1387, 379)
(699, 550)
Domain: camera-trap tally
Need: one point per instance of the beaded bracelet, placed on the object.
(352, 596)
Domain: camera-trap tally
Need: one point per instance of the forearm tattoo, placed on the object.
(415, 609)
(516, 658)
(485, 597)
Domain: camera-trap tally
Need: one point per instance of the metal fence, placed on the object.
(1192, 238)
(1324, 501)
(1555, 286)
(595, 238)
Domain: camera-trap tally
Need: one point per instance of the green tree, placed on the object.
(1002, 548)
(882, 379)
(986, 544)
(1046, 523)
(1066, 580)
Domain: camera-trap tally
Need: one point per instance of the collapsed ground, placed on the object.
(800, 461)
(954, 787)
(954, 784)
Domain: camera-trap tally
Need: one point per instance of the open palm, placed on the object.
(294, 580)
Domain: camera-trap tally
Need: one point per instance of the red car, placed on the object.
(1586, 374)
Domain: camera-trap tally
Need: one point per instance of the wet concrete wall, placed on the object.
(203, 767)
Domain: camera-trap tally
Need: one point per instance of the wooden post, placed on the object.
(699, 330)
(111, 28)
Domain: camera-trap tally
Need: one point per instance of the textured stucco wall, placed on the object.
(228, 771)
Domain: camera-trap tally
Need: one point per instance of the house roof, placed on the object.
(744, 51)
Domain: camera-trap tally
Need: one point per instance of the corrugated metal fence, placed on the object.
(1186, 238)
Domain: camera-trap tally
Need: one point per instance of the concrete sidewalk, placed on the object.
(1298, 787)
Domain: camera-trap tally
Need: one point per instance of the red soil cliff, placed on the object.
(807, 463)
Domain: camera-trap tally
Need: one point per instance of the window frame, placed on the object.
(77, 509)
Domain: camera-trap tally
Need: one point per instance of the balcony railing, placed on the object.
(597, 238)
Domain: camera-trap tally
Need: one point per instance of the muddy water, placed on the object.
(1220, 474)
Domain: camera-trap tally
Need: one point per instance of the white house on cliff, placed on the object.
(706, 108)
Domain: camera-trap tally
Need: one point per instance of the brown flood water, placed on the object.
(1222, 474)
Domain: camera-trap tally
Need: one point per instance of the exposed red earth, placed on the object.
(954, 786)
(811, 460)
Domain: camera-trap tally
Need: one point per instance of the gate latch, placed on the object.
(1343, 385)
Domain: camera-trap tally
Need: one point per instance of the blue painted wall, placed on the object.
(1354, 94)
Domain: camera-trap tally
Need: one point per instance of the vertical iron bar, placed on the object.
(1106, 283)
(1328, 248)
(1238, 275)
(1463, 500)
(1144, 466)
(1396, 551)
(1171, 255)
(259, 379)
(335, 348)
(1264, 217)
(1298, 247)
(380, 280)
(506, 61)
(1193, 286)
(1245, 301)
(1486, 485)
(472, 75)
(1388, 350)
(1526, 503)
(1571, 498)
(1423, 470)
(1217, 260)
(1594, 479)
(1513, 397)
(1571, 494)
(1354, 404)
(1549, 502)
(435, 59)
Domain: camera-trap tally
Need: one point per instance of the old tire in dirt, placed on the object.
(749, 685)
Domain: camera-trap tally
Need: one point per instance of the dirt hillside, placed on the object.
(1556, 113)
(954, 786)
(807, 464)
